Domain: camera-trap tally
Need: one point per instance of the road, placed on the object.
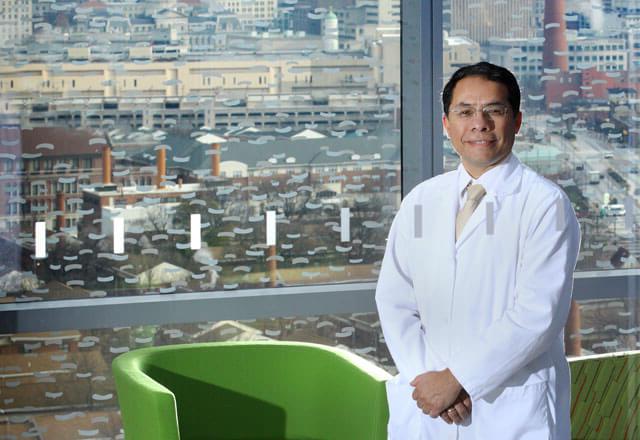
(589, 149)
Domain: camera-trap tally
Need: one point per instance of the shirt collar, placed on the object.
(490, 180)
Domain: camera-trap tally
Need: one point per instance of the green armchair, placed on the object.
(250, 390)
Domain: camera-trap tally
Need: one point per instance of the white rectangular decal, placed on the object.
(41, 240)
(271, 228)
(345, 226)
(118, 235)
(195, 232)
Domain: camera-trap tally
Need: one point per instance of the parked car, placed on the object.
(615, 210)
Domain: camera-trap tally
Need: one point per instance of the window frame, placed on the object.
(421, 146)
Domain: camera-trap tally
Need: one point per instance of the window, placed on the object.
(151, 161)
(579, 116)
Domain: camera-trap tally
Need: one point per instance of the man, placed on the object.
(476, 281)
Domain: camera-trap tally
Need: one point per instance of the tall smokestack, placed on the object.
(60, 207)
(161, 165)
(556, 49)
(272, 266)
(215, 160)
(106, 165)
(572, 336)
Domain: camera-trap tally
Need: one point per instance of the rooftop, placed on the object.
(49, 141)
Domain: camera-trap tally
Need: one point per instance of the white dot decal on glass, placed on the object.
(345, 220)
(271, 228)
(41, 239)
(196, 241)
(118, 235)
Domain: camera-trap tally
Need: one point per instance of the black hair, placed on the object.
(489, 72)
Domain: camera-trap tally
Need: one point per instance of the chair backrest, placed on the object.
(605, 399)
(268, 390)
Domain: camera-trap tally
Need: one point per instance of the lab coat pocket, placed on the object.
(514, 413)
(404, 418)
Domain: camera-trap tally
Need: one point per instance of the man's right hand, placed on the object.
(459, 411)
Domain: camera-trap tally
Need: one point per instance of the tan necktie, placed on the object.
(475, 193)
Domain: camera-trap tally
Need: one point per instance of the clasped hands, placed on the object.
(439, 394)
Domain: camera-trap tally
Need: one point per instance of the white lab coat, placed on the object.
(491, 307)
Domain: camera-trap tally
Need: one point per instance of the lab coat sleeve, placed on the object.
(397, 306)
(540, 308)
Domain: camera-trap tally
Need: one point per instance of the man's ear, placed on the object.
(445, 126)
(518, 121)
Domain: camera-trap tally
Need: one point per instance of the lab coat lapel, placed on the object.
(447, 205)
(491, 204)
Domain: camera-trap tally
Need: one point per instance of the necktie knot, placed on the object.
(475, 193)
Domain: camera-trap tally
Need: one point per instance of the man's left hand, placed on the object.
(435, 391)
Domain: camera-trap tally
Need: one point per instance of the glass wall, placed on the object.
(152, 148)
(155, 148)
(577, 64)
(167, 147)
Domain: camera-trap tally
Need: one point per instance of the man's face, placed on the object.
(481, 123)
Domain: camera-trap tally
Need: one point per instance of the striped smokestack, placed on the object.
(572, 336)
(272, 266)
(556, 49)
(106, 164)
(215, 160)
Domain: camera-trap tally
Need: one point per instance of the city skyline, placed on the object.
(145, 144)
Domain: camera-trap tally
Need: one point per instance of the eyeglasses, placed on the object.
(491, 111)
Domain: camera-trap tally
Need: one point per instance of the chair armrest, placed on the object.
(148, 408)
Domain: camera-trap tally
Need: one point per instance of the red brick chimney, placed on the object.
(215, 160)
(161, 165)
(555, 37)
(106, 165)
(60, 206)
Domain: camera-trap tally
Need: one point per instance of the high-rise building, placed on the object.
(446, 15)
(483, 19)
(381, 12)
(633, 45)
(388, 12)
(623, 5)
(252, 12)
(458, 52)
(524, 56)
(15, 21)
